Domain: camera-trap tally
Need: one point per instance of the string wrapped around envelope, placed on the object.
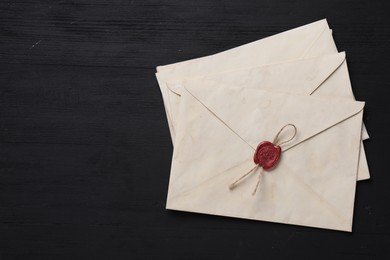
(266, 156)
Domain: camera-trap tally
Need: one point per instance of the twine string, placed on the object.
(235, 183)
(280, 131)
(258, 182)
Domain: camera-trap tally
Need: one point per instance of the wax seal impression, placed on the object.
(267, 155)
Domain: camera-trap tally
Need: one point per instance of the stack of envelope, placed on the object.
(220, 107)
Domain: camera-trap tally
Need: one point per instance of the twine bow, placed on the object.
(266, 156)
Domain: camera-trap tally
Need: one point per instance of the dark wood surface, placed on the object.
(85, 148)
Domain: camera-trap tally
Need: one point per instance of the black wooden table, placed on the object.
(81, 114)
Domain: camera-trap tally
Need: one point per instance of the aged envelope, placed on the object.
(306, 41)
(312, 185)
(318, 76)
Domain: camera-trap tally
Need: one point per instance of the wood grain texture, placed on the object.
(81, 114)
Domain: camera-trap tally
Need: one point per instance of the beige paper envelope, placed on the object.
(314, 181)
(306, 41)
(318, 76)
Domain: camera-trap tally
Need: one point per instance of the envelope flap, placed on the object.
(302, 76)
(257, 115)
(175, 87)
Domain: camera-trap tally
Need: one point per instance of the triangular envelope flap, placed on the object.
(257, 115)
(301, 76)
(175, 87)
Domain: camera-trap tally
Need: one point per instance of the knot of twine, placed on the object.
(275, 140)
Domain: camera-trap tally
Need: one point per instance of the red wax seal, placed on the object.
(267, 155)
